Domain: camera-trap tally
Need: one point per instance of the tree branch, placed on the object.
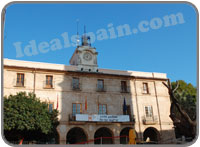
(177, 85)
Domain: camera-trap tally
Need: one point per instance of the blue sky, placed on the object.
(171, 50)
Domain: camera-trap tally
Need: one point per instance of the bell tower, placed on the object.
(85, 56)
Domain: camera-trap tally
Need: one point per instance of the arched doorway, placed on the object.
(76, 135)
(103, 136)
(125, 132)
(151, 135)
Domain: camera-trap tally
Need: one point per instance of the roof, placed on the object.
(61, 67)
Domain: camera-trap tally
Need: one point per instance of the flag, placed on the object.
(21, 141)
(86, 103)
(57, 102)
(124, 106)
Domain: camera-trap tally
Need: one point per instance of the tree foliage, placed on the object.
(186, 97)
(25, 116)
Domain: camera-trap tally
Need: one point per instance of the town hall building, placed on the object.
(96, 106)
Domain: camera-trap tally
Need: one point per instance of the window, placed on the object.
(123, 86)
(102, 109)
(100, 85)
(51, 107)
(148, 111)
(76, 109)
(49, 81)
(20, 79)
(75, 83)
(145, 88)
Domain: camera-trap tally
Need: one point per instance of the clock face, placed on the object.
(87, 56)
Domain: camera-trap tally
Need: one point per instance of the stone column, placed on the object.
(91, 131)
(62, 130)
(116, 133)
(62, 141)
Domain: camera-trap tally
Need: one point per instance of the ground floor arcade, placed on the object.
(115, 133)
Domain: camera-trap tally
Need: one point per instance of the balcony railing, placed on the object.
(48, 85)
(149, 120)
(72, 117)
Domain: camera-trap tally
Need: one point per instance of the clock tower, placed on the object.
(85, 56)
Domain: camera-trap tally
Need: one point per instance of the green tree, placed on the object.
(26, 117)
(186, 97)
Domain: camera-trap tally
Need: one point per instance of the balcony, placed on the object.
(149, 120)
(48, 85)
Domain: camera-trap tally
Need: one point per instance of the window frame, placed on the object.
(150, 115)
(124, 87)
(20, 82)
(99, 88)
(145, 91)
(77, 84)
(81, 111)
(51, 103)
(49, 81)
(102, 109)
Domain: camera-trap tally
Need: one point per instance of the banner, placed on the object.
(102, 118)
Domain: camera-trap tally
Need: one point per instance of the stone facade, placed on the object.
(63, 93)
